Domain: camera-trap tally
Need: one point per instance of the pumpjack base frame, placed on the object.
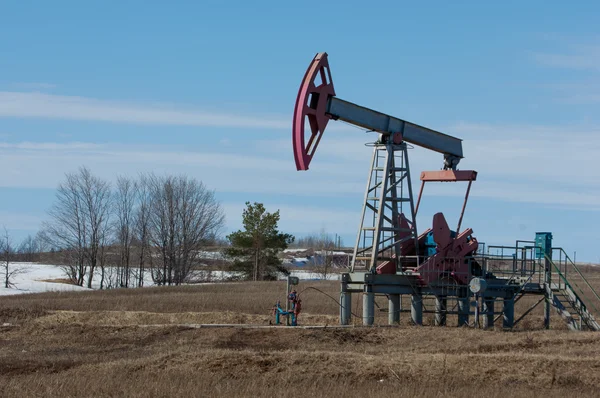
(406, 284)
(395, 286)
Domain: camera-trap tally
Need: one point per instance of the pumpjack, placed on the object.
(392, 258)
(388, 241)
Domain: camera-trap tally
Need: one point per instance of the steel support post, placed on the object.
(345, 308)
(547, 307)
(488, 312)
(508, 318)
(394, 306)
(440, 310)
(287, 302)
(462, 212)
(463, 310)
(368, 307)
(548, 293)
(416, 308)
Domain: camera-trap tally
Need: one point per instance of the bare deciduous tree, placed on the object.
(322, 259)
(79, 219)
(168, 219)
(97, 200)
(141, 227)
(184, 216)
(67, 229)
(124, 201)
(41, 243)
(9, 269)
(104, 240)
(28, 249)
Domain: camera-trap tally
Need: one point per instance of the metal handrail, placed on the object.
(578, 272)
(567, 283)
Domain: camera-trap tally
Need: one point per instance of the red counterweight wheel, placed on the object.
(311, 104)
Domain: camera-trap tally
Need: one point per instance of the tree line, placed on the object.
(152, 224)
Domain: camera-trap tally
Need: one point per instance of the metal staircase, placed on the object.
(551, 275)
(567, 296)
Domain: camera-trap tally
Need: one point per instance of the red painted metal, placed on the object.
(451, 252)
(311, 105)
(389, 267)
(441, 231)
(407, 247)
(397, 137)
(448, 175)
(462, 212)
(386, 267)
(419, 198)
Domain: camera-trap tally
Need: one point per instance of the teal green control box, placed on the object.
(543, 244)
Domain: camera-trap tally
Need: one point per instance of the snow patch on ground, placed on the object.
(294, 250)
(33, 276)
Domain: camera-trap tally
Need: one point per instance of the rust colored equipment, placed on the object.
(440, 269)
(448, 176)
(311, 107)
(449, 260)
(388, 241)
(316, 104)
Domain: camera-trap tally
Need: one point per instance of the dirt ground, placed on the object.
(146, 343)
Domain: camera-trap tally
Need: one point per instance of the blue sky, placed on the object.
(208, 88)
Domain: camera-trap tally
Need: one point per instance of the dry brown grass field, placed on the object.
(143, 343)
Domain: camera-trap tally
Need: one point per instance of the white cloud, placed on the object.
(44, 165)
(529, 143)
(544, 195)
(516, 163)
(548, 170)
(38, 105)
